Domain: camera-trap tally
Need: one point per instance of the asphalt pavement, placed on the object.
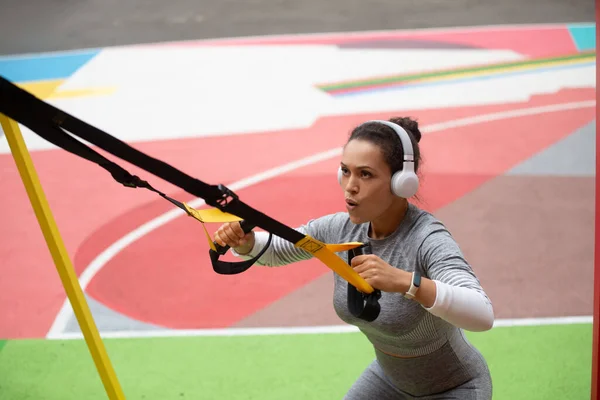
(30, 26)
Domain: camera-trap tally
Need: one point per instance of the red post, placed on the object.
(596, 328)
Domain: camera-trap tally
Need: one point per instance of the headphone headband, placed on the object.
(407, 145)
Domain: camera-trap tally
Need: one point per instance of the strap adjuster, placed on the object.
(227, 197)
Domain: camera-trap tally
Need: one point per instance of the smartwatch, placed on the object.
(414, 286)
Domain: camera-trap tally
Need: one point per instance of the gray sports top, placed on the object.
(403, 328)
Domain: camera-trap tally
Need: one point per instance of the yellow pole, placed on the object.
(61, 258)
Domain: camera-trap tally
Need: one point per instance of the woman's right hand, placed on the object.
(231, 234)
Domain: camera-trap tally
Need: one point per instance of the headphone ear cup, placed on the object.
(405, 184)
(339, 175)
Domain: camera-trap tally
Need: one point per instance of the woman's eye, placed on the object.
(366, 174)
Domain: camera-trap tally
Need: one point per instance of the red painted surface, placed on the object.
(165, 278)
(84, 197)
(533, 42)
(92, 211)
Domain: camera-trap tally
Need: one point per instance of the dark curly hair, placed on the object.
(389, 142)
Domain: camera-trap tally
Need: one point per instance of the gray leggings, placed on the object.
(373, 384)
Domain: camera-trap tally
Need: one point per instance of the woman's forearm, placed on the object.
(463, 307)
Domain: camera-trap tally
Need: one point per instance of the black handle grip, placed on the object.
(246, 227)
(364, 249)
(363, 306)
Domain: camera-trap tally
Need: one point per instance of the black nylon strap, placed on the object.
(56, 126)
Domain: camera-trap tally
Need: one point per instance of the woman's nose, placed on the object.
(352, 185)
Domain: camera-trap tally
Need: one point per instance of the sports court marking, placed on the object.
(304, 330)
(62, 318)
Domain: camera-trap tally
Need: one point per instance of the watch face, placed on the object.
(417, 280)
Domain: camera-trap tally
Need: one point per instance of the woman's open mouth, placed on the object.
(351, 204)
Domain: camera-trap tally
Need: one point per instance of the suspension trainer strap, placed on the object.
(59, 128)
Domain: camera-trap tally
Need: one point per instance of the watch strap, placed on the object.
(415, 284)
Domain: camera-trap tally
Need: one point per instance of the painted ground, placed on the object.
(508, 116)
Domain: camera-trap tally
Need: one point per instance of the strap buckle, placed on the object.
(227, 197)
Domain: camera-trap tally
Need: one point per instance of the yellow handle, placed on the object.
(323, 251)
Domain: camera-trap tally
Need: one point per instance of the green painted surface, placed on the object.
(551, 362)
(459, 71)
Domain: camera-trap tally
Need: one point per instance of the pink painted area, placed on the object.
(529, 40)
(489, 148)
(166, 278)
(531, 43)
(93, 211)
(83, 197)
(86, 201)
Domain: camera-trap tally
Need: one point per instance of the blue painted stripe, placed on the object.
(584, 36)
(26, 69)
(462, 80)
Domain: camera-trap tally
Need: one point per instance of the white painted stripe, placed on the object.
(299, 330)
(103, 258)
(509, 114)
(304, 330)
(585, 319)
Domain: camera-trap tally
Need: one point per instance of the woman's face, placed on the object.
(366, 179)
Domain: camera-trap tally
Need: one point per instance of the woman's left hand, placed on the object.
(380, 274)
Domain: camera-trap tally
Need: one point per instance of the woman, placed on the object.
(429, 292)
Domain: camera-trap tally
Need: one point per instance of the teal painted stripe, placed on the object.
(44, 67)
(584, 36)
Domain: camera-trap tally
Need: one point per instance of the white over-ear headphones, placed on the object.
(405, 182)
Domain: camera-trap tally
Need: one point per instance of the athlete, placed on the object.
(429, 292)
